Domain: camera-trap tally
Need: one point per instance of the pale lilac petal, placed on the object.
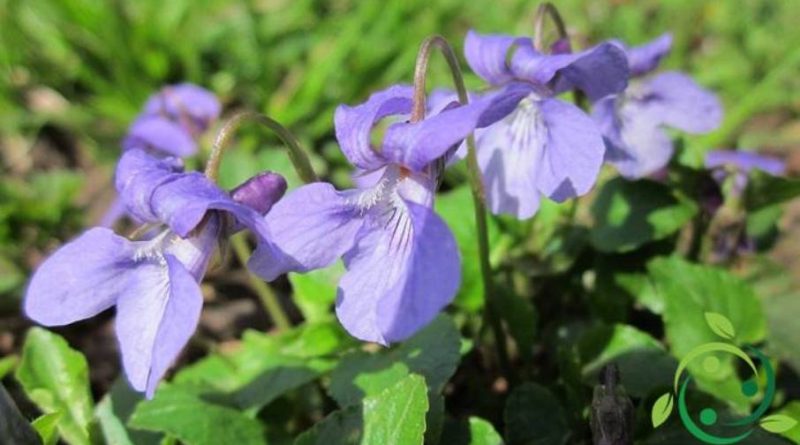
(160, 134)
(601, 71)
(441, 98)
(195, 251)
(745, 161)
(80, 279)
(401, 274)
(598, 71)
(177, 101)
(353, 125)
(138, 175)
(114, 212)
(315, 224)
(509, 155)
(178, 322)
(415, 145)
(156, 316)
(636, 145)
(183, 203)
(268, 261)
(367, 178)
(573, 153)
(682, 103)
(548, 146)
(645, 58)
(486, 54)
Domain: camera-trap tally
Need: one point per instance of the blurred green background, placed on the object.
(75, 73)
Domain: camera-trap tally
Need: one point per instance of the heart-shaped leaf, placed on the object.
(662, 409)
(720, 325)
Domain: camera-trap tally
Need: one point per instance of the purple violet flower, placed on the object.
(173, 119)
(154, 283)
(633, 121)
(170, 123)
(724, 163)
(542, 146)
(402, 261)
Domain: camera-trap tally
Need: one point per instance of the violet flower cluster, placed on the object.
(633, 122)
(173, 120)
(170, 124)
(153, 283)
(402, 262)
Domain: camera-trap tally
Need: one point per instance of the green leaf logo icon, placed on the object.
(777, 423)
(720, 325)
(662, 409)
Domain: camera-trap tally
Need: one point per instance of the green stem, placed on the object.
(545, 10)
(262, 289)
(238, 242)
(476, 185)
(296, 154)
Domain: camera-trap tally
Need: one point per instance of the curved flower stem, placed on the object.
(301, 165)
(547, 9)
(296, 154)
(476, 185)
(262, 289)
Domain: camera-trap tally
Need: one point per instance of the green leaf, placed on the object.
(661, 409)
(433, 353)
(396, 415)
(777, 423)
(643, 363)
(456, 209)
(113, 413)
(764, 190)
(640, 287)
(534, 415)
(46, 426)
(271, 384)
(780, 298)
(471, 431)
(629, 214)
(720, 325)
(267, 366)
(792, 410)
(112, 427)
(342, 427)
(55, 377)
(14, 429)
(482, 432)
(195, 421)
(689, 292)
(315, 291)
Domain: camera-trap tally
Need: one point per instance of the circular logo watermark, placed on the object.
(706, 358)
